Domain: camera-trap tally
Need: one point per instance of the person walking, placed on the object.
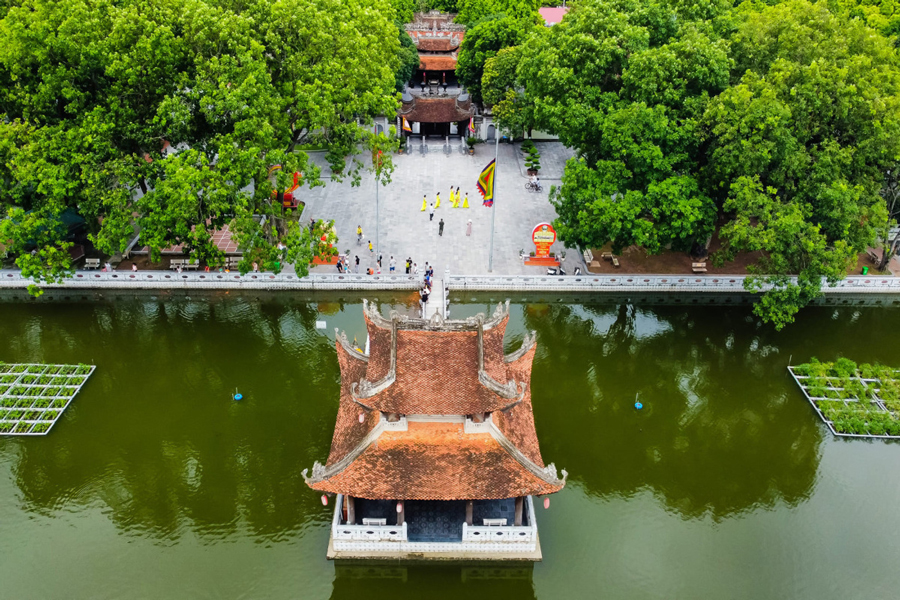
(466, 201)
(340, 266)
(469, 227)
(415, 269)
(431, 213)
(441, 228)
(424, 202)
(357, 263)
(408, 265)
(452, 198)
(379, 261)
(371, 249)
(437, 203)
(393, 264)
(358, 235)
(458, 197)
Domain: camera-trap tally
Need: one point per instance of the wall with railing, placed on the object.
(393, 538)
(335, 281)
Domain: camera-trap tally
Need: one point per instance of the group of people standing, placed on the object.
(456, 201)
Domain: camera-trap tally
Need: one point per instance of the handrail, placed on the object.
(337, 281)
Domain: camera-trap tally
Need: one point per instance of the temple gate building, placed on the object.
(434, 453)
(433, 102)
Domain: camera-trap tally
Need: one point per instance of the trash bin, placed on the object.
(865, 270)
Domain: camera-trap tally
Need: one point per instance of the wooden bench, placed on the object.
(232, 262)
(494, 522)
(374, 521)
(588, 256)
(607, 256)
(190, 265)
(698, 267)
(873, 257)
(177, 262)
(91, 263)
(615, 261)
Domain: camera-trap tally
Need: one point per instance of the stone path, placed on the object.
(437, 301)
(406, 231)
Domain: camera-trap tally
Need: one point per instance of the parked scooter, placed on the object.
(556, 271)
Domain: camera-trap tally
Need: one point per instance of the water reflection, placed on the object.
(379, 580)
(717, 434)
(157, 442)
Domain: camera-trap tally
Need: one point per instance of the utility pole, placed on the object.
(494, 202)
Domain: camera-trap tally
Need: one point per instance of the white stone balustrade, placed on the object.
(289, 281)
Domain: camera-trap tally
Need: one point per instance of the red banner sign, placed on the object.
(543, 237)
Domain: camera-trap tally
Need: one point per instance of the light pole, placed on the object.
(494, 195)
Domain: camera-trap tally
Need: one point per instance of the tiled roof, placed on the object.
(439, 44)
(348, 431)
(417, 367)
(437, 62)
(437, 374)
(436, 110)
(517, 423)
(379, 351)
(436, 461)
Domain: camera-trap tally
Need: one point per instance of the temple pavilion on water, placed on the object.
(435, 453)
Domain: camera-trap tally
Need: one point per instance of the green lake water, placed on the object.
(155, 484)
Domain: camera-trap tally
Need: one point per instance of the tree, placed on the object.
(482, 42)
(471, 12)
(625, 84)
(93, 94)
(407, 57)
(800, 144)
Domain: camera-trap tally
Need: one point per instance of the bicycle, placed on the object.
(534, 187)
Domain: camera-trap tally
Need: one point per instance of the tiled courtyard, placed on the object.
(405, 231)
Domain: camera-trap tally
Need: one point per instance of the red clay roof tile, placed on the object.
(435, 461)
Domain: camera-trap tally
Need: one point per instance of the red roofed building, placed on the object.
(433, 102)
(434, 452)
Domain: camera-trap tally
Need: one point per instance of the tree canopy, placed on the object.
(778, 123)
(94, 93)
(482, 42)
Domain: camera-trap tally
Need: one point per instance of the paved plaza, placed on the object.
(405, 231)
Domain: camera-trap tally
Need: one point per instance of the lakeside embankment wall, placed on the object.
(713, 284)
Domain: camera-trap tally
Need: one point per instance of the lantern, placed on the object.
(399, 507)
(324, 500)
(362, 418)
(546, 502)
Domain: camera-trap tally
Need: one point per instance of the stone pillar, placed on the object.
(351, 510)
(520, 504)
(470, 509)
(401, 516)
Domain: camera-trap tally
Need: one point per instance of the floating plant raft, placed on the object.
(853, 400)
(33, 397)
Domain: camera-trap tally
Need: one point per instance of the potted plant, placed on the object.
(532, 160)
(470, 142)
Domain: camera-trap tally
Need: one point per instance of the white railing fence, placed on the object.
(347, 281)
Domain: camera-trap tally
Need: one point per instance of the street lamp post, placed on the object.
(494, 203)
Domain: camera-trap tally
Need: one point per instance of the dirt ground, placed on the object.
(635, 260)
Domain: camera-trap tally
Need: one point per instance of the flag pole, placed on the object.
(494, 199)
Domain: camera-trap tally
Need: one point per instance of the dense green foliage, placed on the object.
(626, 84)
(470, 12)
(408, 58)
(90, 92)
(482, 42)
(776, 123)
